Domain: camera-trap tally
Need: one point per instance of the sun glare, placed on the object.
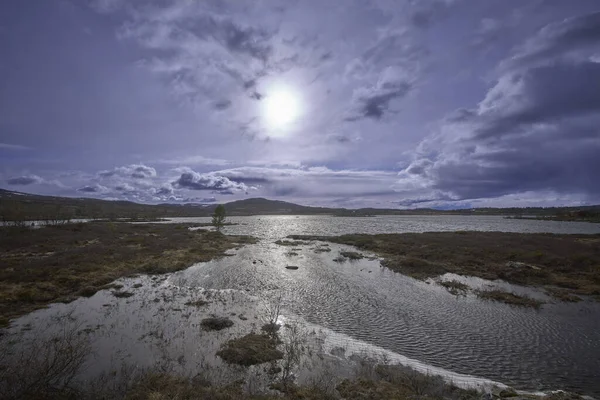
(281, 107)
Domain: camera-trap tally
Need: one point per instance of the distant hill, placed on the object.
(17, 205)
(23, 206)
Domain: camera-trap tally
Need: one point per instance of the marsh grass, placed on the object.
(57, 263)
(293, 243)
(455, 287)
(216, 323)
(351, 255)
(509, 298)
(251, 349)
(570, 262)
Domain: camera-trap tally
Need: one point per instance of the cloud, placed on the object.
(537, 130)
(375, 102)
(428, 11)
(163, 191)
(138, 171)
(342, 138)
(489, 32)
(96, 188)
(388, 70)
(106, 6)
(222, 105)
(541, 94)
(195, 160)
(195, 181)
(125, 187)
(313, 182)
(142, 171)
(24, 180)
(7, 146)
(202, 50)
(568, 37)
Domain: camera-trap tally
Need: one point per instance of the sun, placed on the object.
(281, 108)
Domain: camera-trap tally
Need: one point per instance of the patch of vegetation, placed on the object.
(570, 262)
(58, 262)
(291, 243)
(122, 294)
(509, 298)
(251, 349)
(197, 303)
(216, 323)
(563, 295)
(455, 287)
(322, 250)
(291, 254)
(352, 255)
(271, 328)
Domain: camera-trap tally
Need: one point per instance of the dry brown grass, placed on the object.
(59, 263)
(250, 350)
(509, 298)
(570, 262)
(455, 287)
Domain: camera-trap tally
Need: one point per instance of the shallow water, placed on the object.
(281, 226)
(354, 302)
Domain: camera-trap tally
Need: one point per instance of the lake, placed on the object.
(353, 305)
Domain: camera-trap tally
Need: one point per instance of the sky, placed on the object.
(355, 103)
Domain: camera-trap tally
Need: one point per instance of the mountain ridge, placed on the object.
(32, 206)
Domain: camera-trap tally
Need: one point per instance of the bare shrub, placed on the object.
(294, 346)
(33, 368)
(271, 313)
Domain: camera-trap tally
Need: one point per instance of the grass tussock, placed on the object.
(292, 243)
(563, 295)
(351, 255)
(122, 294)
(216, 323)
(455, 287)
(251, 349)
(197, 303)
(509, 298)
(570, 262)
(57, 263)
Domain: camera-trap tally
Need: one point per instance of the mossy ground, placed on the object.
(251, 349)
(570, 263)
(59, 263)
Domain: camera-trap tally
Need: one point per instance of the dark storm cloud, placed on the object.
(222, 105)
(375, 102)
(195, 181)
(559, 39)
(91, 189)
(541, 94)
(537, 130)
(24, 180)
